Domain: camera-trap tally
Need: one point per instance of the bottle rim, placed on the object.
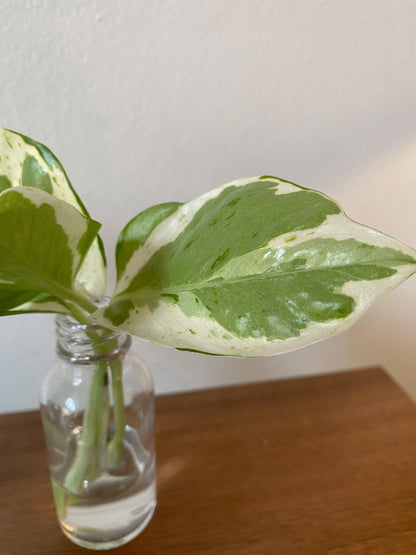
(84, 343)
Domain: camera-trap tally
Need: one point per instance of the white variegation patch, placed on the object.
(40, 307)
(90, 279)
(339, 226)
(284, 188)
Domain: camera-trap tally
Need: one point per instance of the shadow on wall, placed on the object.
(383, 196)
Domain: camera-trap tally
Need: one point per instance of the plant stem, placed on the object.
(80, 314)
(115, 447)
(86, 446)
(93, 453)
(102, 426)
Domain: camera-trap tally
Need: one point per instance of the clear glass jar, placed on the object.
(97, 406)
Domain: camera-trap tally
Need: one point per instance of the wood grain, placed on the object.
(324, 465)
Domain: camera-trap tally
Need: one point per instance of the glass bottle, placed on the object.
(97, 407)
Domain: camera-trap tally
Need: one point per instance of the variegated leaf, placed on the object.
(256, 267)
(25, 162)
(43, 243)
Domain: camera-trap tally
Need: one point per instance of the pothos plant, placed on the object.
(256, 267)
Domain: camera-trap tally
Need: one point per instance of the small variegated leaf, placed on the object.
(43, 243)
(254, 268)
(27, 163)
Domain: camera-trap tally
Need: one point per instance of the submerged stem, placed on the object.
(115, 446)
(84, 466)
(102, 424)
(94, 451)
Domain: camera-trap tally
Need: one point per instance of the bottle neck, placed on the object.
(83, 344)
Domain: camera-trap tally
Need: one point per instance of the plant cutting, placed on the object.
(257, 267)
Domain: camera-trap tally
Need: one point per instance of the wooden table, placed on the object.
(323, 465)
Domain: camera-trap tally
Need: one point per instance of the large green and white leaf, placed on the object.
(27, 163)
(256, 267)
(43, 244)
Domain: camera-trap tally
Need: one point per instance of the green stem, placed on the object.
(115, 447)
(85, 460)
(81, 305)
(102, 435)
(80, 314)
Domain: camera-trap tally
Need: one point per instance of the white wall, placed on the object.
(155, 100)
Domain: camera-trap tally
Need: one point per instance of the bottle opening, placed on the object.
(87, 343)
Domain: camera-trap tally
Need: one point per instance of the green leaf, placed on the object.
(4, 183)
(43, 243)
(136, 232)
(14, 299)
(257, 267)
(25, 162)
